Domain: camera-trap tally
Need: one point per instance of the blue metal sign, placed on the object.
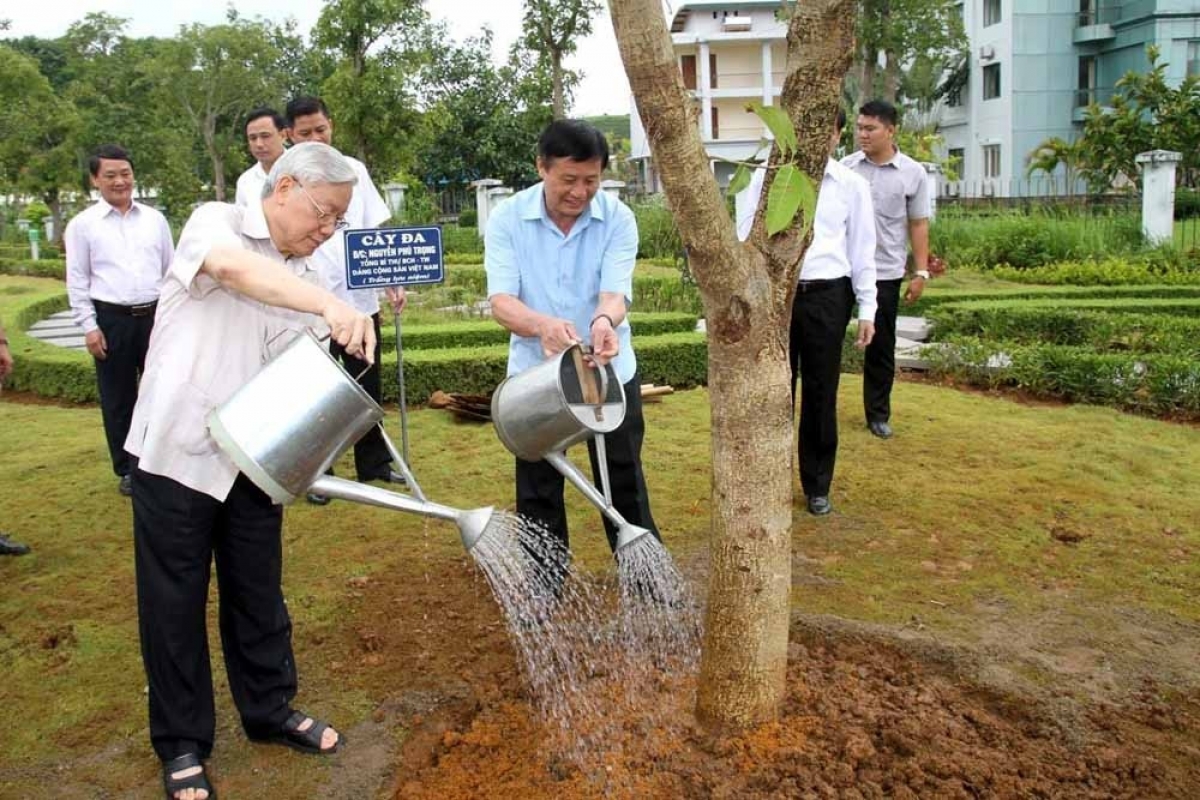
(379, 257)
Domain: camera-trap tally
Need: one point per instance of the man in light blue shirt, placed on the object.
(559, 259)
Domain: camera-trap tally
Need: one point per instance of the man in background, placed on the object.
(308, 121)
(901, 199)
(8, 547)
(117, 253)
(264, 136)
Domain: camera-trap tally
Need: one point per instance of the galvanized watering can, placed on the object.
(542, 411)
(288, 424)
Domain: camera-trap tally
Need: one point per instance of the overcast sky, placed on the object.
(604, 89)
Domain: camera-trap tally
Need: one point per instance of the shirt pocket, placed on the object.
(190, 429)
(890, 201)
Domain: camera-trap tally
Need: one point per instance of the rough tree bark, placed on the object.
(747, 290)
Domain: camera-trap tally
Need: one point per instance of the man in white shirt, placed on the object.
(308, 121)
(838, 269)
(117, 252)
(264, 137)
(240, 277)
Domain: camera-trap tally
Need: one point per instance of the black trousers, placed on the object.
(371, 457)
(177, 533)
(820, 314)
(540, 485)
(117, 376)
(879, 360)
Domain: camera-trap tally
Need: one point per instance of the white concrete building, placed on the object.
(730, 54)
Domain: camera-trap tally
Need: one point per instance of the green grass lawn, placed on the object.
(956, 514)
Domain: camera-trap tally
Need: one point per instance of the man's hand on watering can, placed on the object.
(556, 335)
(605, 341)
(351, 329)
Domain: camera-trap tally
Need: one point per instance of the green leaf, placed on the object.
(791, 191)
(780, 125)
(739, 181)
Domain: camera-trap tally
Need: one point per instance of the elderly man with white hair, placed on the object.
(240, 278)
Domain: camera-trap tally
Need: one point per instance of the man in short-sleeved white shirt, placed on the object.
(308, 121)
(240, 276)
(900, 195)
(838, 270)
(117, 252)
(264, 136)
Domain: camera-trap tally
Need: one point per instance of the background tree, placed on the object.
(37, 130)
(378, 47)
(905, 33)
(482, 120)
(1146, 113)
(553, 29)
(747, 290)
(1053, 153)
(213, 75)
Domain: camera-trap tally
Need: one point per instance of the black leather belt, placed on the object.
(809, 287)
(140, 310)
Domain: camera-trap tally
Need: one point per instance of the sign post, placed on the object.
(377, 258)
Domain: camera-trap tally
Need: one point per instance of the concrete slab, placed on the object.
(55, 325)
(914, 328)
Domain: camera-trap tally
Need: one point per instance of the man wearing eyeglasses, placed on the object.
(308, 121)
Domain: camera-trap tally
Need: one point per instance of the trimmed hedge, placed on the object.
(1177, 306)
(1101, 331)
(1146, 383)
(650, 292)
(488, 332)
(42, 268)
(1109, 272)
(935, 297)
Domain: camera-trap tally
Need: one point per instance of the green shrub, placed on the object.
(1100, 331)
(936, 297)
(657, 234)
(468, 218)
(1131, 271)
(1022, 241)
(460, 240)
(489, 332)
(1154, 384)
(1187, 203)
(42, 268)
(1177, 306)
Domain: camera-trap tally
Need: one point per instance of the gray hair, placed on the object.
(309, 163)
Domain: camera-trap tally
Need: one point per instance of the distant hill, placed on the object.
(612, 125)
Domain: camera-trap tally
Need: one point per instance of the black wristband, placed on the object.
(602, 316)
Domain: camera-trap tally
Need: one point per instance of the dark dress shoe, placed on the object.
(880, 428)
(125, 487)
(819, 506)
(389, 476)
(10, 548)
(317, 499)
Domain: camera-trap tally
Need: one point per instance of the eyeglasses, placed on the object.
(339, 224)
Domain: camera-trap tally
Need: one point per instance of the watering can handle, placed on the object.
(587, 351)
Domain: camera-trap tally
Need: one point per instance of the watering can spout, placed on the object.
(472, 524)
(629, 534)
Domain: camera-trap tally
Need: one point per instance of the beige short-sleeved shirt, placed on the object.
(208, 341)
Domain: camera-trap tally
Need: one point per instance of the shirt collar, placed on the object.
(254, 222)
(535, 207)
(106, 208)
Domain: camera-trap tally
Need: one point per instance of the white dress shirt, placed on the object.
(250, 185)
(367, 210)
(115, 258)
(207, 342)
(843, 242)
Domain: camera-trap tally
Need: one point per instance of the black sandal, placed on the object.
(308, 741)
(197, 781)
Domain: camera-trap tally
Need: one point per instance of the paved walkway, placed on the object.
(60, 330)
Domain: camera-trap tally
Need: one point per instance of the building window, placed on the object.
(954, 98)
(991, 81)
(1086, 95)
(991, 12)
(1193, 58)
(991, 161)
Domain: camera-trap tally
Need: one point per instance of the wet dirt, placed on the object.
(870, 713)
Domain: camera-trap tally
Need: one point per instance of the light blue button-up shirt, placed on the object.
(528, 257)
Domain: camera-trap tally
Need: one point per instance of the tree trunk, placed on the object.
(556, 75)
(53, 200)
(214, 157)
(891, 77)
(360, 136)
(747, 291)
(866, 89)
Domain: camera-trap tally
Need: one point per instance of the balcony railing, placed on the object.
(1085, 97)
(1097, 16)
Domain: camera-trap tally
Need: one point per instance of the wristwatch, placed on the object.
(922, 274)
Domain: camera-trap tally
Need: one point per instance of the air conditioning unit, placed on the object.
(737, 23)
(987, 53)
(988, 189)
